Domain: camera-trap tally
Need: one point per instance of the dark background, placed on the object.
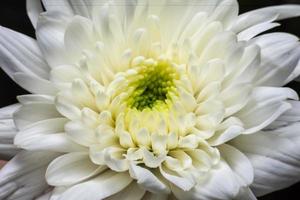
(13, 15)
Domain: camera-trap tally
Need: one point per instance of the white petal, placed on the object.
(80, 134)
(151, 160)
(190, 142)
(114, 159)
(34, 9)
(58, 5)
(209, 92)
(213, 187)
(45, 196)
(109, 153)
(229, 129)
(271, 40)
(50, 36)
(106, 137)
(65, 74)
(78, 36)
(256, 30)
(100, 187)
(235, 97)
(83, 7)
(20, 53)
(203, 38)
(242, 65)
(23, 163)
(173, 16)
(147, 180)
(280, 54)
(7, 112)
(188, 100)
(210, 121)
(294, 75)
(159, 143)
(71, 168)
(254, 17)
(275, 160)
(287, 131)
(35, 84)
(239, 163)
(184, 183)
(8, 151)
(7, 132)
(179, 160)
(265, 106)
(226, 12)
(246, 194)
(263, 116)
(57, 192)
(285, 11)
(281, 68)
(52, 142)
(209, 106)
(27, 187)
(35, 98)
(30, 113)
(213, 72)
(82, 94)
(79, 7)
(143, 137)
(290, 117)
(7, 189)
(131, 192)
(46, 135)
(223, 42)
(287, 118)
(155, 196)
(67, 107)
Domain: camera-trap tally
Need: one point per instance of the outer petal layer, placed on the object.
(274, 153)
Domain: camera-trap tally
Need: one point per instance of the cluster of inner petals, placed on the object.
(151, 123)
(145, 115)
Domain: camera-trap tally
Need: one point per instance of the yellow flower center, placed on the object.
(154, 85)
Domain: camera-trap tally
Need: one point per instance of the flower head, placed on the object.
(153, 99)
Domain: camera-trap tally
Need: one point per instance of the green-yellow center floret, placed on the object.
(154, 86)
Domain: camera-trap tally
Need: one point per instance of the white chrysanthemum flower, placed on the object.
(150, 99)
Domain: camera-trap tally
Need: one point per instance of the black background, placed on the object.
(13, 15)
